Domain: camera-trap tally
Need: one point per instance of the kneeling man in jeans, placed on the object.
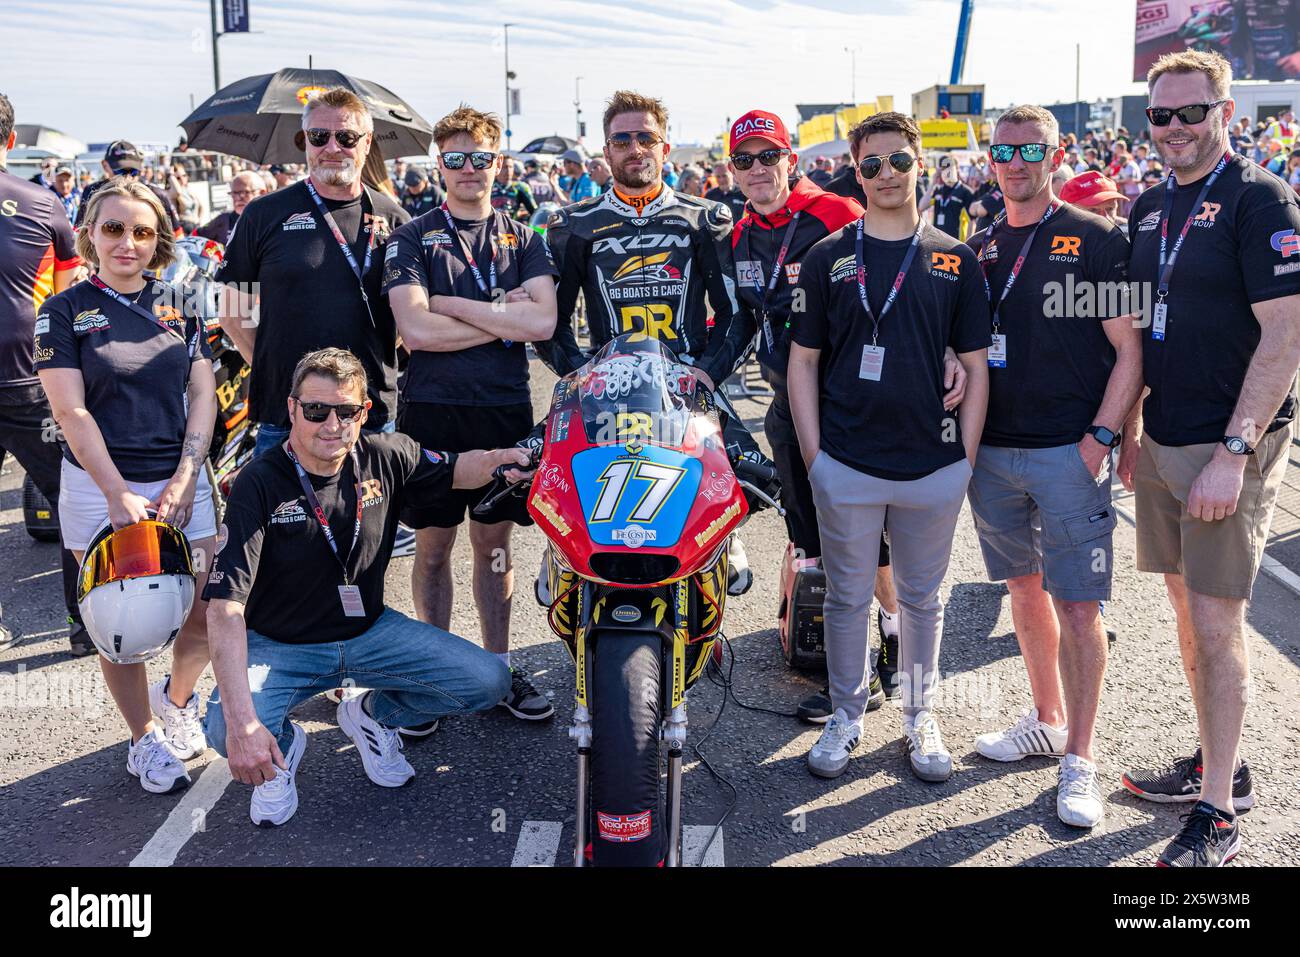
(296, 592)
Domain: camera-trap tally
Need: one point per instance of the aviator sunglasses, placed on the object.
(902, 161)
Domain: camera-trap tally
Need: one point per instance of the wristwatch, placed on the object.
(1237, 445)
(1104, 435)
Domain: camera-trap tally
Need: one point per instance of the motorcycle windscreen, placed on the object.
(634, 392)
(636, 499)
(136, 551)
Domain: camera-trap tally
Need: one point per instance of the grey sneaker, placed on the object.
(830, 755)
(930, 759)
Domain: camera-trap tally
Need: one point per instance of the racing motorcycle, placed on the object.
(637, 496)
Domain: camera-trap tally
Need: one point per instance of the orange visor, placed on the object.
(136, 551)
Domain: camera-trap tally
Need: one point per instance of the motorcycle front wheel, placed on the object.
(627, 808)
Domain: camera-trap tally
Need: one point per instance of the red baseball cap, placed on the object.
(1090, 189)
(760, 123)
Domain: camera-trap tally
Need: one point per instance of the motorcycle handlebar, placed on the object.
(759, 474)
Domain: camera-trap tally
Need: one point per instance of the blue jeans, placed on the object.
(269, 436)
(418, 673)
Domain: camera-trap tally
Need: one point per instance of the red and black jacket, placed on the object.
(756, 242)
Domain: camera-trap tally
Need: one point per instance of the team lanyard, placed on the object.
(1001, 217)
(491, 283)
(898, 280)
(765, 291)
(1167, 266)
(358, 271)
(320, 512)
(138, 309)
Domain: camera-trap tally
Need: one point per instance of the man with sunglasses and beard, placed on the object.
(646, 258)
(883, 298)
(781, 224)
(306, 261)
(1218, 244)
(469, 286)
(1061, 382)
(296, 592)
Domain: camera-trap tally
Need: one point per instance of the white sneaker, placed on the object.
(159, 771)
(182, 727)
(276, 801)
(339, 695)
(380, 748)
(1027, 737)
(739, 577)
(1078, 793)
(930, 759)
(830, 755)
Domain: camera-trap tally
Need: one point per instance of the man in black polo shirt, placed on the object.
(315, 251)
(1219, 247)
(1064, 369)
(296, 592)
(469, 286)
(37, 259)
(883, 298)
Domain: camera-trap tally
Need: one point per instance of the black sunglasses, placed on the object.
(744, 161)
(1029, 152)
(320, 411)
(623, 141)
(1188, 115)
(479, 159)
(345, 138)
(871, 166)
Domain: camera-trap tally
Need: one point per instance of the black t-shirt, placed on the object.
(35, 240)
(273, 557)
(219, 227)
(949, 203)
(1240, 250)
(426, 253)
(310, 298)
(417, 204)
(1058, 357)
(895, 428)
(734, 198)
(135, 372)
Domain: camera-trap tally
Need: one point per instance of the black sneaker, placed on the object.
(816, 708)
(524, 701)
(1209, 838)
(1181, 782)
(887, 660)
(79, 643)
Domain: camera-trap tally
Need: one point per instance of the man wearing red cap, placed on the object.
(1097, 194)
(1064, 369)
(781, 224)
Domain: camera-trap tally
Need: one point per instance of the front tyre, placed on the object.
(627, 813)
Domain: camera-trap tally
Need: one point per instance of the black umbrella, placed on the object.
(259, 117)
(550, 144)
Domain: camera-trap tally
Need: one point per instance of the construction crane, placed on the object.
(963, 35)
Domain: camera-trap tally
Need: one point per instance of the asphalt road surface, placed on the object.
(493, 790)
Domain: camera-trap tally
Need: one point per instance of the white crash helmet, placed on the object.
(135, 589)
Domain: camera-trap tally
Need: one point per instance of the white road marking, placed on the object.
(186, 817)
(539, 845)
(539, 842)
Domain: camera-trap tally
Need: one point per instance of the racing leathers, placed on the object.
(648, 267)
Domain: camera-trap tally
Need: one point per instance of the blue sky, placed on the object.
(99, 71)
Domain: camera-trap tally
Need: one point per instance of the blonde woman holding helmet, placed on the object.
(130, 382)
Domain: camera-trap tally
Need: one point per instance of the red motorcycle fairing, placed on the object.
(633, 420)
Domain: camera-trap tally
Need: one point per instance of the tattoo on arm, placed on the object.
(196, 448)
